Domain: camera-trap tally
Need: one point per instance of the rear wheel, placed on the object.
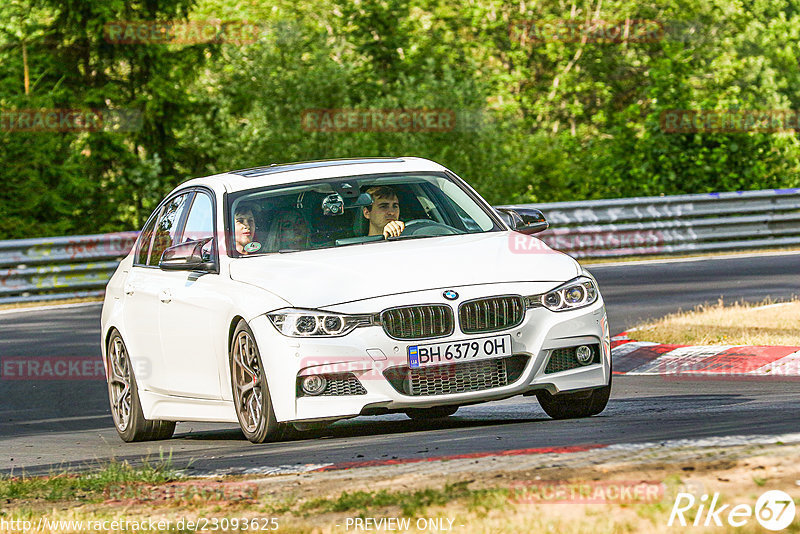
(437, 412)
(123, 396)
(250, 392)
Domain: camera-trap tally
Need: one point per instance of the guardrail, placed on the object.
(673, 224)
(60, 267)
(66, 267)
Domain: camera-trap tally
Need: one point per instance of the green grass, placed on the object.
(89, 486)
(411, 503)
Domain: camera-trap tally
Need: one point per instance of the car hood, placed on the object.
(327, 277)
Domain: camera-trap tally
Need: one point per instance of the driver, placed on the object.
(384, 213)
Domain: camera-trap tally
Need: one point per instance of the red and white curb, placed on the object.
(632, 357)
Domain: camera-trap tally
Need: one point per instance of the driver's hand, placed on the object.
(393, 229)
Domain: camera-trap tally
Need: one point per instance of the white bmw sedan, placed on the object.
(300, 294)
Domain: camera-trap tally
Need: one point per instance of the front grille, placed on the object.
(491, 314)
(457, 378)
(338, 385)
(564, 359)
(418, 322)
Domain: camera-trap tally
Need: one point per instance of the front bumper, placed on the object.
(373, 358)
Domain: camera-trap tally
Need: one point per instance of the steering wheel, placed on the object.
(428, 227)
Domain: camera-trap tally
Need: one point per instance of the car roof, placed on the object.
(287, 173)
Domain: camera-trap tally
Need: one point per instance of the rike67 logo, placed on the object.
(774, 510)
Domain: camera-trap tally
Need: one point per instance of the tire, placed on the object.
(574, 405)
(437, 412)
(250, 391)
(123, 398)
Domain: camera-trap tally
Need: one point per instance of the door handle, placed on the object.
(165, 296)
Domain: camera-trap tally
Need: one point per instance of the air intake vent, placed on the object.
(418, 322)
(564, 359)
(338, 385)
(491, 314)
(457, 378)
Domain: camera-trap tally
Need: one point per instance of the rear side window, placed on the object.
(166, 230)
(144, 241)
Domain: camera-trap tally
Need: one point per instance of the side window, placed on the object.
(167, 228)
(200, 222)
(144, 242)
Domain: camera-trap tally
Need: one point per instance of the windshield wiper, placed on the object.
(402, 237)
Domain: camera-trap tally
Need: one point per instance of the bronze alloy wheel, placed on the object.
(250, 392)
(119, 383)
(123, 397)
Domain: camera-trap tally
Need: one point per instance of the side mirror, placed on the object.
(524, 220)
(186, 257)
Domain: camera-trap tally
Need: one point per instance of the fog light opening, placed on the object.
(314, 385)
(584, 355)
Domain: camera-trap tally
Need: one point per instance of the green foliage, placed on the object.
(537, 120)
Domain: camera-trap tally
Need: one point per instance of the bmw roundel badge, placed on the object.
(450, 294)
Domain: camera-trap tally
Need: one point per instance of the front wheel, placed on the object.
(250, 392)
(123, 396)
(574, 405)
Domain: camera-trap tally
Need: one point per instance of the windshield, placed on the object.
(351, 210)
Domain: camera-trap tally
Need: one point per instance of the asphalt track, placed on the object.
(49, 425)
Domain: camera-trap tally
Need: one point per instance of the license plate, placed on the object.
(467, 350)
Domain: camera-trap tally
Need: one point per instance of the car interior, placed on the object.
(419, 201)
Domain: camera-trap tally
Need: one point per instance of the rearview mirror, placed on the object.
(334, 204)
(524, 220)
(187, 257)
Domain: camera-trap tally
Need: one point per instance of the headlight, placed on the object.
(314, 323)
(577, 293)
